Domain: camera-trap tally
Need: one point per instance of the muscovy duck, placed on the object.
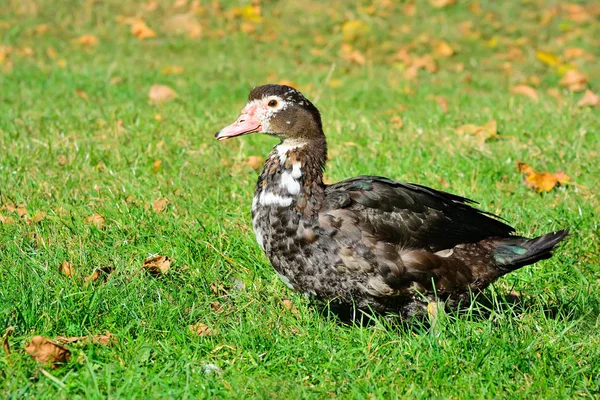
(368, 243)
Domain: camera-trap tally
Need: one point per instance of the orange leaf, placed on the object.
(397, 122)
(159, 205)
(525, 91)
(541, 181)
(87, 40)
(589, 99)
(66, 268)
(255, 162)
(140, 30)
(201, 329)
(574, 80)
(97, 220)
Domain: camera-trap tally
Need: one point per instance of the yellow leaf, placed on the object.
(547, 58)
(335, 83)
(355, 29)
(172, 70)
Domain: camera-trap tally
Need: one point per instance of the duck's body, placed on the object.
(368, 242)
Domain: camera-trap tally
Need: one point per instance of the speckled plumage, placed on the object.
(368, 242)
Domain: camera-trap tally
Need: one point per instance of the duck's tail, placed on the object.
(515, 252)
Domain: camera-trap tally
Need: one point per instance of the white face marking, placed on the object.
(263, 112)
(287, 145)
(285, 280)
(289, 183)
(296, 170)
(270, 199)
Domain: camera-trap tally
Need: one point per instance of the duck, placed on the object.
(368, 243)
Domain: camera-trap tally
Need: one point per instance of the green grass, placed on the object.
(70, 158)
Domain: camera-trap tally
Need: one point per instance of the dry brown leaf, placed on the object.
(161, 93)
(87, 40)
(97, 220)
(541, 181)
(289, 306)
(201, 329)
(5, 343)
(352, 55)
(21, 210)
(102, 272)
(67, 269)
(574, 80)
(589, 99)
(140, 30)
(183, 24)
(442, 102)
(81, 94)
(172, 70)
(6, 220)
(255, 162)
(102, 339)
(442, 3)
(482, 133)
(525, 91)
(157, 265)
(46, 351)
(37, 217)
(150, 6)
(159, 205)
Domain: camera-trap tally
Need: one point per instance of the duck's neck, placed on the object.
(293, 176)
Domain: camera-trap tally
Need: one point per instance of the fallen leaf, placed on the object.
(150, 6)
(335, 83)
(352, 55)
(6, 220)
(396, 122)
(102, 272)
(159, 205)
(102, 339)
(589, 99)
(201, 329)
(442, 102)
(37, 217)
(442, 3)
(547, 58)
(161, 93)
(87, 40)
(355, 29)
(443, 49)
(5, 343)
(289, 306)
(482, 133)
(157, 265)
(172, 70)
(183, 24)
(81, 94)
(574, 80)
(255, 162)
(541, 181)
(140, 30)
(67, 269)
(525, 91)
(97, 220)
(46, 351)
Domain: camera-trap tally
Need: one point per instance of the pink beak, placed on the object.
(246, 123)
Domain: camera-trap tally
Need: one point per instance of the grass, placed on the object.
(78, 137)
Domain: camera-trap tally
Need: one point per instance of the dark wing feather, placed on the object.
(412, 215)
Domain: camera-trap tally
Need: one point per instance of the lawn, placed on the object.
(96, 175)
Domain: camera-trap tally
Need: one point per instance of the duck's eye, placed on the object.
(272, 103)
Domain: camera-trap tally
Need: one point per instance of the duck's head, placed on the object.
(276, 110)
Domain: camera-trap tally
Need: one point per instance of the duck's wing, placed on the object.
(410, 215)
